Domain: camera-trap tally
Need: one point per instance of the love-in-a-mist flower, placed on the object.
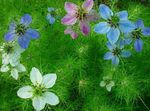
(137, 35)
(116, 51)
(108, 83)
(22, 32)
(39, 92)
(82, 15)
(11, 59)
(115, 23)
(51, 15)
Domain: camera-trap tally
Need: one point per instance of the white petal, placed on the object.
(35, 76)
(25, 92)
(4, 68)
(102, 83)
(108, 87)
(5, 59)
(20, 68)
(49, 80)
(14, 59)
(38, 103)
(51, 98)
(14, 73)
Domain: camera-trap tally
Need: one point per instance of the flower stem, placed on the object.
(144, 103)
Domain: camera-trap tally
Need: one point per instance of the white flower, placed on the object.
(108, 83)
(39, 91)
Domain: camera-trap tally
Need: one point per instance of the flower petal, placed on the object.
(125, 53)
(20, 68)
(50, 18)
(69, 20)
(32, 33)
(38, 103)
(108, 87)
(110, 46)
(12, 26)
(50, 9)
(115, 60)
(123, 15)
(26, 20)
(71, 8)
(139, 24)
(102, 83)
(84, 27)
(108, 56)
(4, 68)
(51, 98)
(126, 26)
(102, 28)
(88, 5)
(24, 41)
(146, 31)
(113, 35)
(35, 76)
(73, 34)
(127, 41)
(105, 11)
(5, 59)
(49, 80)
(25, 92)
(14, 73)
(10, 36)
(138, 44)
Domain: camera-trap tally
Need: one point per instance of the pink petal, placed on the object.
(92, 16)
(69, 20)
(88, 5)
(85, 28)
(73, 34)
(71, 8)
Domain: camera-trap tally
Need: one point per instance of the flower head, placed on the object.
(51, 15)
(38, 92)
(115, 22)
(83, 15)
(116, 51)
(21, 32)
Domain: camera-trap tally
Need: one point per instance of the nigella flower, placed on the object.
(114, 23)
(38, 92)
(137, 35)
(82, 14)
(72, 33)
(22, 32)
(51, 15)
(116, 51)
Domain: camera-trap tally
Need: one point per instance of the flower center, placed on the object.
(53, 13)
(81, 14)
(38, 90)
(8, 49)
(116, 51)
(137, 33)
(113, 21)
(20, 29)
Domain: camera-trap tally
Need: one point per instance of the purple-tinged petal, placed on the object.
(24, 41)
(123, 15)
(71, 8)
(26, 20)
(32, 33)
(138, 45)
(125, 53)
(105, 12)
(92, 16)
(146, 31)
(69, 20)
(88, 5)
(12, 26)
(73, 34)
(113, 35)
(84, 27)
(102, 28)
(108, 56)
(139, 24)
(110, 46)
(9, 36)
(115, 60)
(126, 26)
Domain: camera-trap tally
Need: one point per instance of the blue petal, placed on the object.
(138, 45)
(12, 26)
(123, 15)
(110, 46)
(121, 43)
(125, 53)
(115, 60)
(102, 28)
(108, 56)
(24, 41)
(126, 26)
(146, 31)
(139, 24)
(113, 35)
(32, 33)
(51, 9)
(26, 20)
(128, 41)
(10, 36)
(105, 12)
(50, 19)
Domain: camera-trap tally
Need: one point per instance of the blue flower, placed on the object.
(21, 32)
(114, 23)
(137, 34)
(116, 51)
(51, 15)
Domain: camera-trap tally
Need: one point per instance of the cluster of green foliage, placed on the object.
(78, 63)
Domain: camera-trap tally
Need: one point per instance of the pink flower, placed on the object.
(78, 14)
(70, 31)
